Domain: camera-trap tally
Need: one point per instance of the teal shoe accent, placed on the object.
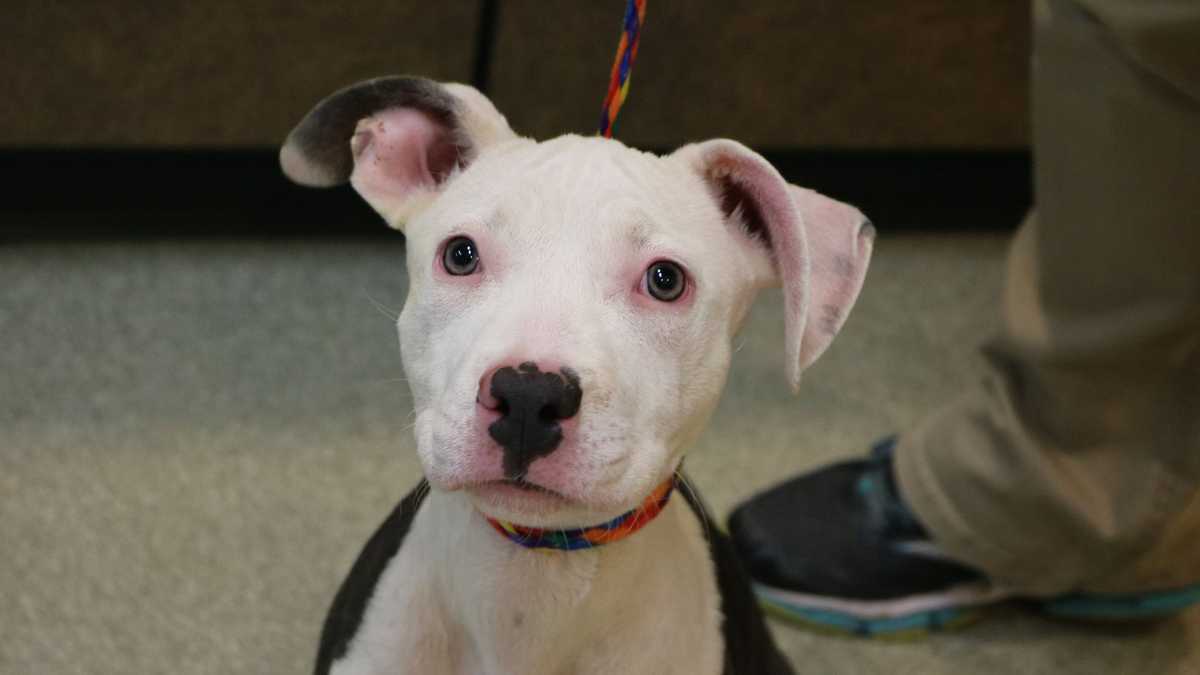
(1118, 607)
(909, 625)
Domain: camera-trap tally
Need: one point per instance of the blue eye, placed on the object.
(665, 281)
(460, 257)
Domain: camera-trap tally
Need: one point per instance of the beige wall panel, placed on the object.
(207, 73)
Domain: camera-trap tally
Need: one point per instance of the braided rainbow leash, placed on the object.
(627, 48)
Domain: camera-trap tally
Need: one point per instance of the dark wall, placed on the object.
(773, 73)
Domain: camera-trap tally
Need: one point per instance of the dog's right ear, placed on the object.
(396, 139)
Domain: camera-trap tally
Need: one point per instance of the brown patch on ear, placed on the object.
(736, 204)
(843, 266)
(831, 319)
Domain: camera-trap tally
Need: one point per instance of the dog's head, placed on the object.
(572, 303)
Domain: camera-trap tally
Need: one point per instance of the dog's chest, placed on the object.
(459, 600)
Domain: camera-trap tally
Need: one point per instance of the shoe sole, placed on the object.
(904, 617)
(916, 616)
(1130, 607)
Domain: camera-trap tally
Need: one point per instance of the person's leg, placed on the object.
(1064, 471)
(1075, 465)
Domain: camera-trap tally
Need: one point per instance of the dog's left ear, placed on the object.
(396, 139)
(818, 248)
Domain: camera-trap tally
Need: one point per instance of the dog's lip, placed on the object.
(522, 484)
(518, 486)
(498, 497)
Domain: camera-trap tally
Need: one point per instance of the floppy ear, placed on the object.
(396, 139)
(818, 248)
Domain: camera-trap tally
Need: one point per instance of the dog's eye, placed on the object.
(665, 281)
(460, 256)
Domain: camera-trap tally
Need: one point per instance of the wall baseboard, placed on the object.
(187, 192)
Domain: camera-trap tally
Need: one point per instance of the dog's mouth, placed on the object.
(522, 484)
(512, 497)
(517, 486)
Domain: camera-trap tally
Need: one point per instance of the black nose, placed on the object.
(531, 403)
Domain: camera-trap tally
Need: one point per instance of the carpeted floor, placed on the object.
(197, 436)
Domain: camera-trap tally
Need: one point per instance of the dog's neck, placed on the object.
(513, 609)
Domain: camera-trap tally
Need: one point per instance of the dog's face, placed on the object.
(588, 259)
(572, 303)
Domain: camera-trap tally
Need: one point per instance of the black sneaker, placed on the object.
(839, 549)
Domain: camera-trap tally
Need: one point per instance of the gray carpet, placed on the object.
(196, 437)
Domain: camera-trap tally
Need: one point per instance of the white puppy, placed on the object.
(567, 332)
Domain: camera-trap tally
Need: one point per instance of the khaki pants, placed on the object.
(1076, 464)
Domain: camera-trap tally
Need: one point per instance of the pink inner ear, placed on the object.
(398, 152)
(840, 239)
(771, 212)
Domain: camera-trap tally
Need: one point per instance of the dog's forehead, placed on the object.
(583, 165)
(585, 189)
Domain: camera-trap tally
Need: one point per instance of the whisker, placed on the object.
(382, 308)
(405, 391)
(389, 380)
(380, 381)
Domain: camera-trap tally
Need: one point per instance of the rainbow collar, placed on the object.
(589, 537)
